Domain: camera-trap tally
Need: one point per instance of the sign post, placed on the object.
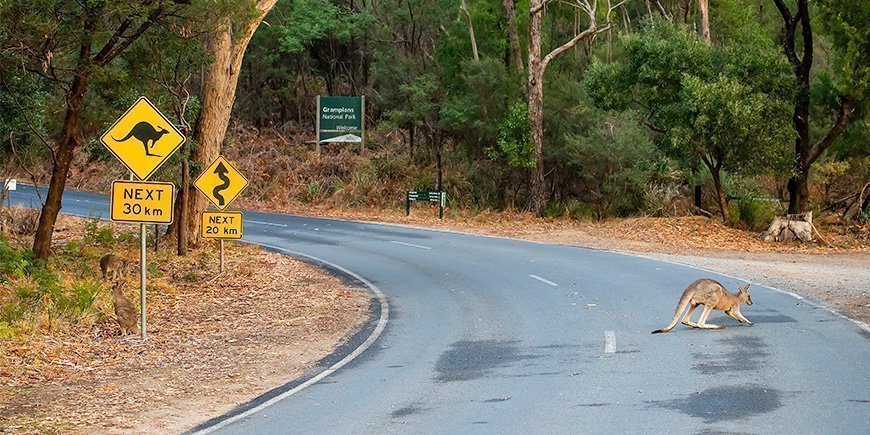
(8, 186)
(221, 183)
(439, 198)
(340, 119)
(142, 139)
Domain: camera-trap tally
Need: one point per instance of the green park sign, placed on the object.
(340, 119)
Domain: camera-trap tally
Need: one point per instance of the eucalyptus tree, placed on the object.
(724, 104)
(847, 22)
(64, 45)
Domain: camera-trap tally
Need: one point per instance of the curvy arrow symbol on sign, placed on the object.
(221, 172)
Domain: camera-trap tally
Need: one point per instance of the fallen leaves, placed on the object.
(259, 325)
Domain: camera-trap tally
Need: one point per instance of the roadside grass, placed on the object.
(39, 296)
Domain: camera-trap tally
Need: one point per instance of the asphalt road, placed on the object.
(490, 335)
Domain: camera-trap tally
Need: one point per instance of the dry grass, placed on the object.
(213, 342)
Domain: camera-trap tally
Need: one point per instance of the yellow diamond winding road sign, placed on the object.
(221, 183)
(142, 138)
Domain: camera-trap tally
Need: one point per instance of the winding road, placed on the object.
(492, 335)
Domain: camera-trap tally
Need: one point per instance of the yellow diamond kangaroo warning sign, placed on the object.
(221, 183)
(142, 138)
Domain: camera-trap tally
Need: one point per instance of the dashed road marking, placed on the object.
(609, 342)
(543, 280)
(251, 221)
(410, 244)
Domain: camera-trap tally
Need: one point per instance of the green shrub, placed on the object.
(755, 214)
(13, 263)
(98, 235)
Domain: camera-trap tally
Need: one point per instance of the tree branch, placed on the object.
(790, 24)
(112, 49)
(590, 31)
(847, 109)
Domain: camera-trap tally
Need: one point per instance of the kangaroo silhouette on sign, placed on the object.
(145, 133)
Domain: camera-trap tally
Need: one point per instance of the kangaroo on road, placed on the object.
(145, 133)
(713, 296)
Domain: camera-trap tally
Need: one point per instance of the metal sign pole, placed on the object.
(317, 139)
(362, 132)
(142, 270)
(222, 256)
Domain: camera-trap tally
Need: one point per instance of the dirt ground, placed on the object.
(213, 342)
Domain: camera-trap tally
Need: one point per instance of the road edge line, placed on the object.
(379, 328)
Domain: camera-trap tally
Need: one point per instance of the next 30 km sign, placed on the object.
(142, 202)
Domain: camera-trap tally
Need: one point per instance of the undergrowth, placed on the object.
(60, 293)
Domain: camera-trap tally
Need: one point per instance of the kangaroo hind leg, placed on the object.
(702, 322)
(687, 318)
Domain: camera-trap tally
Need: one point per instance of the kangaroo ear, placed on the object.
(744, 289)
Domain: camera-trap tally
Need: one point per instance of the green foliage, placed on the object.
(755, 214)
(847, 24)
(728, 104)
(310, 20)
(96, 234)
(13, 263)
(514, 144)
(611, 159)
(731, 123)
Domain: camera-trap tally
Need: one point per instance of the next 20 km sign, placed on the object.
(144, 202)
(221, 225)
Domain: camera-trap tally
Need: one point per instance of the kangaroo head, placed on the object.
(743, 294)
(163, 131)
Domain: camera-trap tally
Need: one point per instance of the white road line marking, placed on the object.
(251, 221)
(545, 281)
(381, 325)
(609, 342)
(410, 244)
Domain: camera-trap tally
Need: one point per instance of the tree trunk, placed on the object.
(537, 68)
(64, 154)
(464, 8)
(412, 134)
(537, 196)
(720, 195)
(184, 203)
(516, 54)
(705, 20)
(218, 95)
(806, 153)
(439, 168)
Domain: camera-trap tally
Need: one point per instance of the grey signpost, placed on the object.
(340, 119)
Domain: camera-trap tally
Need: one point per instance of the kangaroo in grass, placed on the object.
(110, 264)
(125, 312)
(713, 296)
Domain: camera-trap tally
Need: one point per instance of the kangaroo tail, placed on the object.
(128, 136)
(681, 306)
